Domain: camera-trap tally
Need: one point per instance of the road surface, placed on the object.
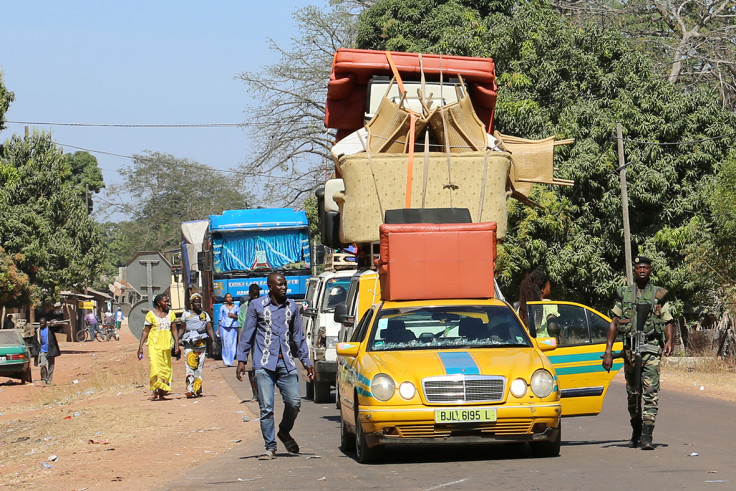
(695, 439)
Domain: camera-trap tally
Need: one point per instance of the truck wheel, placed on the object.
(310, 390)
(548, 449)
(321, 392)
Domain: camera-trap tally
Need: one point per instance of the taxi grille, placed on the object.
(518, 427)
(464, 388)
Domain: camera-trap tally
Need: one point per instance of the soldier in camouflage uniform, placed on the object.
(658, 331)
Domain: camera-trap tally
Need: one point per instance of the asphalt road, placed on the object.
(695, 439)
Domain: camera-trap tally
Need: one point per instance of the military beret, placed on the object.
(642, 260)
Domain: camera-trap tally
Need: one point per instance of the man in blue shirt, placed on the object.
(273, 326)
(49, 351)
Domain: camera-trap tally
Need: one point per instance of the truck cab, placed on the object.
(324, 292)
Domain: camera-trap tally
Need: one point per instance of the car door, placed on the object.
(581, 334)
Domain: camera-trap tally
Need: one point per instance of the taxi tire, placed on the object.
(364, 453)
(347, 439)
(548, 449)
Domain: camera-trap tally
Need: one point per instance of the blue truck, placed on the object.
(242, 247)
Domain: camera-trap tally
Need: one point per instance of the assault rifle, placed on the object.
(637, 342)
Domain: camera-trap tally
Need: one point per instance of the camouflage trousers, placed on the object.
(649, 387)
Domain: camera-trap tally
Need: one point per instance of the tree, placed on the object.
(6, 97)
(286, 121)
(86, 175)
(44, 226)
(169, 191)
(711, 255)
(692, 41)
(555, 79)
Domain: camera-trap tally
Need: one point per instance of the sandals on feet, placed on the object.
(267, 455)
(288, 442)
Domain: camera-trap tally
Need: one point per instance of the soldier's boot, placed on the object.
(646, 437)
(635, 432)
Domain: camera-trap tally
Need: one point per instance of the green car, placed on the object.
(15, 359)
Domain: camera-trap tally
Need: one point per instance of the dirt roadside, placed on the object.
(96, 428)
(106, 434)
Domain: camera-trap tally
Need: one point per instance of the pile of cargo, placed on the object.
(424, 139)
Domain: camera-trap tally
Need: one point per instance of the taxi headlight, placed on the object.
(383, 387)
(543, 383)
(518, 387)
(407, 390)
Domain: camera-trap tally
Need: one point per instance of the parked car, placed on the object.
(15, 358)
(446, 371)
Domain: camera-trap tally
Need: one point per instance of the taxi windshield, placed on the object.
(450, 327)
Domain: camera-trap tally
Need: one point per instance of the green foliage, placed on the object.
(168, 191)
(85, 173)
(310, 206)
(44, 226)
(6, 97)
(559, 80)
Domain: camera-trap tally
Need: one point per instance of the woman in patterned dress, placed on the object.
(157, 330)
(197, 328)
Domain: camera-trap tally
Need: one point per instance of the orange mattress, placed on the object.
(437, 261)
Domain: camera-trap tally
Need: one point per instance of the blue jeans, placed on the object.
(94, 328)
(288, 384)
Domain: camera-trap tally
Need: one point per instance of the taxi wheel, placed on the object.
(363, 452)
(548, 449)
(347, 439)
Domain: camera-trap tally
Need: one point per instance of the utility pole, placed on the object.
(86, 197)
(624, 204)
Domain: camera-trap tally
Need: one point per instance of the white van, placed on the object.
(324, 292)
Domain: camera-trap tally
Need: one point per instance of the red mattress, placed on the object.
(352, 69)
(437, 261)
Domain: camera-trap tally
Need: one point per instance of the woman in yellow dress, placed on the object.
(157, 330)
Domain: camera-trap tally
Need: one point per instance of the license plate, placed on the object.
(478, 415)
(2, 358)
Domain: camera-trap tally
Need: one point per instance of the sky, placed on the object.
(139, 62)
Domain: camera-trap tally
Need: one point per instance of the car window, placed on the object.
(336, 291)
(598, 327)
(567, 323)
(10, 337)
(451, 327)
(360, 331)
(311, 296)
(352, 296)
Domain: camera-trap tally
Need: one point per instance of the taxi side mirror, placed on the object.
(348, 349)
(546, 344)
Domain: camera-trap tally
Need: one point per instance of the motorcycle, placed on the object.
(108, 329)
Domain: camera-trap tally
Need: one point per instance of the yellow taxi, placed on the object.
(449, 371)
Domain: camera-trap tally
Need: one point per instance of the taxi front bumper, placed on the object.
(416, 425)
